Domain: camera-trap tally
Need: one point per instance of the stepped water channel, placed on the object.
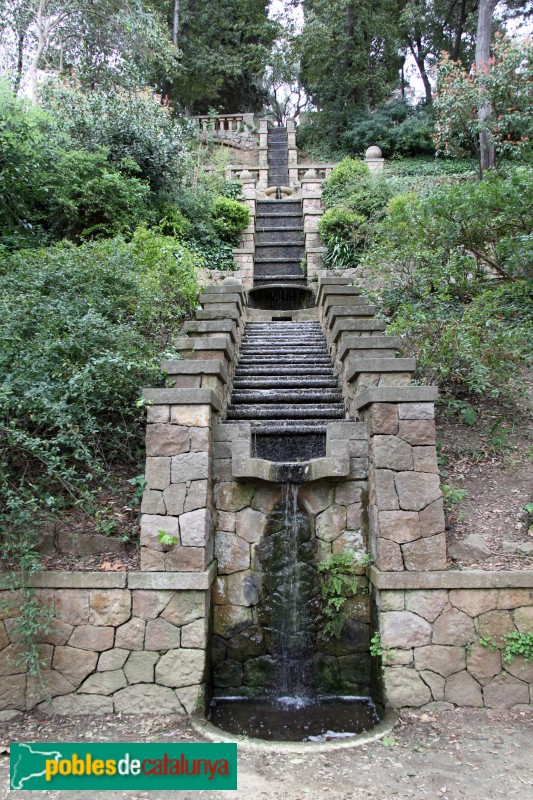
(285, 386)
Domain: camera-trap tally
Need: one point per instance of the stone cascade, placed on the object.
(278, 158)
(279, 243)
(285, 386)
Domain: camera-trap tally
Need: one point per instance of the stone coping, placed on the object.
(182, 366)
(378, 365)
(352, 344)
(182, 397)
(396, 394)
(123, 580)
(230, 288)
(450, 579)
(197, 344)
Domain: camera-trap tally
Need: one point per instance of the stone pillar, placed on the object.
(374, 160)
(406, 512)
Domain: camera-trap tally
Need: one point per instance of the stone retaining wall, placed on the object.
(120, 649)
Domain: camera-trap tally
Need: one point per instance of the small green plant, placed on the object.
(488, 642)
(468, 413)
(338, 585)
(379, 650)
(167, 539)
(139, 484)
(517, 643)
(453, 495)
(528, 508)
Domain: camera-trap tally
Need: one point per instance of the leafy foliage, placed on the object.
(338, 585)
(229, 218)
(398, 129)
(506, 92)
(82, 329)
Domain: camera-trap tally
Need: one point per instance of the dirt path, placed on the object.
(453, 755)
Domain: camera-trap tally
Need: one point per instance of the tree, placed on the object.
(484, 30)
(349, 54)
(101, 40)
(507, 95)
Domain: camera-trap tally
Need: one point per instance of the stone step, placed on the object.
(281, 411)
(277, 395)
(278, 207)
(284, 382)
(283, 236)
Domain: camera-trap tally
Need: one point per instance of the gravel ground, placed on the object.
(467, 754)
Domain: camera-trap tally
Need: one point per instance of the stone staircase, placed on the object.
(285, 386)
(278, 160)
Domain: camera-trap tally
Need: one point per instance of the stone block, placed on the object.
(58, 633)
(195, 528)
(195, 634)
(151, 560)
(190, 467)
(158, 414)
(192, 698)
(454, 627)
(383, 419)
(242, 588)
(425, 554)
(399, 526)
(316, 498)
(112, 659)
(232, 496)
(228, 674)
(390, 452)
(331, 523)
(463, 690)
(226, 521)
(13, 692)
(470, 548)
(230, 620)
(48, 683)
(152, 524)
(405, 687)
(474, 601)
(196, 496)
(348, 492)
(444, 660)
(130, 636)
(191, 416)
(231, 552)
(161, 635)
(416, 410)
(388, 556)
(432, 518)
(505, 691)
(386, 498)
(78, 705)
(435, 683)
(179, 668)
(187, 559)
(109, 606)
(520, 668)
(89, 637)
(390, 601)
(166, 440)
(149, 604)
(143, 698)
(200, 439)
(427, 604)
(157, 473)
(514, 598)
(417, 432)
(73, 663)
(104, 683)
(72, 606)
(495, 624)
(250, 524)
(140, 667)
(4, 638)
(483, 663)
(354, 516)
(404, 629)
(174, 498)
(425, 459)
(416, 490)
(185, 607)
(153, 502)
(523, 619)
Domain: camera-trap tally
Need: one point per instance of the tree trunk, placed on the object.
(176, 22)
(20, 62)
(456, 50)
(484, 29)
(420, 63)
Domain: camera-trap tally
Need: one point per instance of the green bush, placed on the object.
(86, 197)
(397, 128)
(82, 330)
(460, 262)
(345, 178)
(343, 233)
(230, 218)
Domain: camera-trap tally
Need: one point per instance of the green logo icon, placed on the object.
(122, 765)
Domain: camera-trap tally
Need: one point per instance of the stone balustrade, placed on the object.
(236, 130)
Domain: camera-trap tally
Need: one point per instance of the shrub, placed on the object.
(345, 178)
(230, 218)
(82, 330)
(343, 233)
